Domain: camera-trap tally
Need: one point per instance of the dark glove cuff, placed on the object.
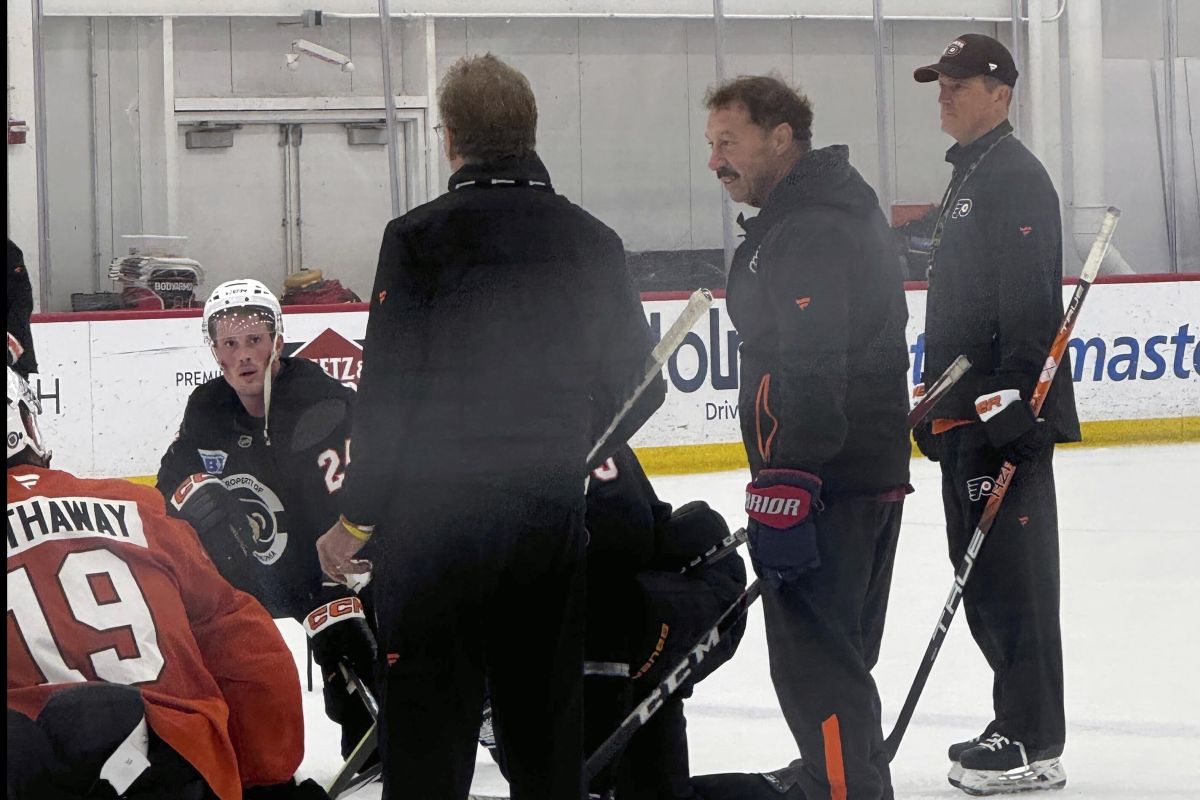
(789, 477)
(1009, 424)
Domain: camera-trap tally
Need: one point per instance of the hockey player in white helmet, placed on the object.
(178, 689)
(256, 468)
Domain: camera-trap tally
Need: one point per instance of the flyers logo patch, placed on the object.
(383, 295)
(981, 487)
(803, 302)
(962, 208)
(1025, 230)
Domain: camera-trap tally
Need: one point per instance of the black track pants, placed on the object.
(1012, 597)
(823, 635)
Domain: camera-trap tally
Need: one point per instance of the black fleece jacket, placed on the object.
(504, 334)
(817, 295)
(995, 280)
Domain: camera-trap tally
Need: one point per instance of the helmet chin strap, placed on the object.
(267, 389)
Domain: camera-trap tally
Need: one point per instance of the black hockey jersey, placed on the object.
(289, 485)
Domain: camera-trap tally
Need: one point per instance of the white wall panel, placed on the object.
(231, 206)
(203, 58)
(260, 69)
(345, 204)
(634, 121)
(69, 171)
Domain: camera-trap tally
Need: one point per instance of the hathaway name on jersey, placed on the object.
(43, 519)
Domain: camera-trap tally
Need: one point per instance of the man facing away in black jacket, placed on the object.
(504, 334)
(816, 293)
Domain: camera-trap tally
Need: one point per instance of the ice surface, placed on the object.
(1130, 529)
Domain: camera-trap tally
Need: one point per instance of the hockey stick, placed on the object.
(346, 780)
(616, 741)
(938, 390)
(696, 307)
(673, 680)
(988, 517)
(715, 553)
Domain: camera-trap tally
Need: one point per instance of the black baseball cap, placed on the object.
(969, 55)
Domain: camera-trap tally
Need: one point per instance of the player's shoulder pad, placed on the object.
(305, 380)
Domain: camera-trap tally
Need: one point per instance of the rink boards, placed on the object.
(114, 385)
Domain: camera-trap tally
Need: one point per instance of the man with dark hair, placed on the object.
(134, 669)
(503, 337)
(816, 294)
(995, 275)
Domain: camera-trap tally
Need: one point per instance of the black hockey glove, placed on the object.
(219, 518)
(782, 534)
(1011, 427)
(339, 634)
(928, 442)
(309, 790)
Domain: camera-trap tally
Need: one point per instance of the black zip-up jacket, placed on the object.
(291, 485)
(995, 280)
(504, 333)
(817, 296)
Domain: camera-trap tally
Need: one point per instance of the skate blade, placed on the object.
(1045, 775)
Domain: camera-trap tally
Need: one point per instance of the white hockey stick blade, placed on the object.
(1101, 244)
(696, 307)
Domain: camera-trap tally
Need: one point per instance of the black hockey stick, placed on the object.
(1003, 481)
(715, 553)
(348, 780)
(616, 741)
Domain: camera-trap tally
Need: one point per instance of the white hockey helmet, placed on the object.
(23, 410)
(243, 294)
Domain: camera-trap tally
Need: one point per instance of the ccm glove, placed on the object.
(339, 634)
(781, 531)
(1011, 427)
(221, 522)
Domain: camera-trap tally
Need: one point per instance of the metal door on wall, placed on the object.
(264, 199)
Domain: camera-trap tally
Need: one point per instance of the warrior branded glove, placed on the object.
(219, 518)
(782, 534)
(1011, 427)
(339, 634)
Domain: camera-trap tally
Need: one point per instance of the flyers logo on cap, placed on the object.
(954, 48)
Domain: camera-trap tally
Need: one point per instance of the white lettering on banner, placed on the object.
(115, 410)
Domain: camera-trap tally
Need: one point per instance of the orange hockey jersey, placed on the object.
(104, 586)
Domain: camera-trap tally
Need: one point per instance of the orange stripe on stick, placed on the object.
(835, 770)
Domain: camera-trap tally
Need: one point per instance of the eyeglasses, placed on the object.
(439, 129)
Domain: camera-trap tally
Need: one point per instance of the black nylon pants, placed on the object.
(1011, 599)
(823, 636)
(492, 587)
